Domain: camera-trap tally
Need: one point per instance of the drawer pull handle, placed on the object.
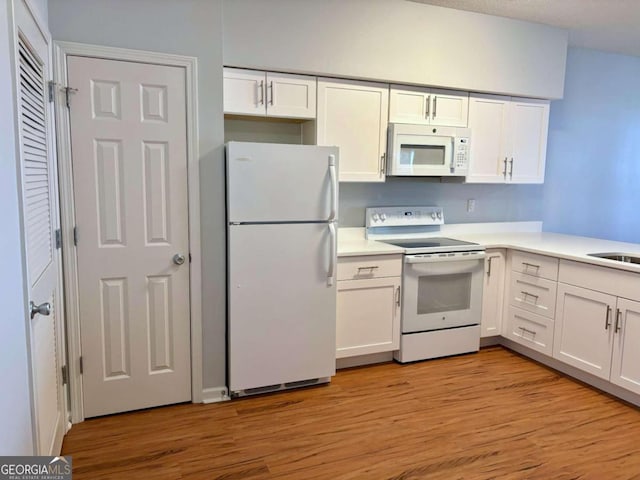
(526, 330)
(370, 269)
(618, 326)
(526, 295)
(532, 265)
(607, 318)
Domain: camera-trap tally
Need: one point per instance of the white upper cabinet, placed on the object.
(428, 106)
(508, 139)
(250, 92)
(353, 116)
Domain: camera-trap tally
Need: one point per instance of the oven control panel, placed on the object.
(403, 216)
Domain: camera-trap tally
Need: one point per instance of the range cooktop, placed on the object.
(433, 245)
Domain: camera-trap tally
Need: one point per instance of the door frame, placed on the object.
(62, 50)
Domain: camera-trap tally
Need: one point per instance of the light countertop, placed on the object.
(351, 242)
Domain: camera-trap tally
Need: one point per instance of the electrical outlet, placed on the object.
(471, 205)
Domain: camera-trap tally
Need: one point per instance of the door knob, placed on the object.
(42, 309)
(178, 259)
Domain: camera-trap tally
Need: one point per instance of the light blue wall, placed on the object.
(592, 184)
(494, 203)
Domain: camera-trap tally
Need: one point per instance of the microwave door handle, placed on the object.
(452, 167)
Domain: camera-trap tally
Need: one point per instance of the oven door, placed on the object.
(442, 292)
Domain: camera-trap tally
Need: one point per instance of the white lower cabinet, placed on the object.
(368, 308)
(493, 293)
(625, 365)
(531, 300)
(584, 331)
(599, 333)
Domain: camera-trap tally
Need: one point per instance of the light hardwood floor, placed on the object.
(493, 415)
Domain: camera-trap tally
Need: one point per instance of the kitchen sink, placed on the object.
(618, 257)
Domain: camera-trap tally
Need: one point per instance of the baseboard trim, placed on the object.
(360, 360)
(215, 394)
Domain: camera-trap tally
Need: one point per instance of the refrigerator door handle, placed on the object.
(334, 187)
(333, 253)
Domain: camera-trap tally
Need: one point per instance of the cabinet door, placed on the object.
(409, 105)
(244, 92)
(368, 316)
(529, 120)
(449, 107)
(493, 293)
(584, 329)
(291, 96)
(488, 121)
(353, 116)
(625, 368)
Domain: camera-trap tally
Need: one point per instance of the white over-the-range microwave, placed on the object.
(428, 151)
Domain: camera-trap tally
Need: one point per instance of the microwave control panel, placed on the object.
(461, 153)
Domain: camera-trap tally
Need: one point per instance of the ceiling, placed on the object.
(609, 25)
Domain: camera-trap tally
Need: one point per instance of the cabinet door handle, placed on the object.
(428, 107)
(607, 321)
(273, 93)
(489, 267)
(261, 93)
(398, 296)
(511, 169)
(504, 172)
(435, 106)
(618, 326)
(383, 163)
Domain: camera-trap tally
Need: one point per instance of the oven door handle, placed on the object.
(457, 258)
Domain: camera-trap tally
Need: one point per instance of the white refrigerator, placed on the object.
(282, 211)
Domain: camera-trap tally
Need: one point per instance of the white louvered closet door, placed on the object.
(40, 219)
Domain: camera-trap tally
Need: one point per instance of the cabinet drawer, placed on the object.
(535, 294)
(534, 264)
(370, 266)
(531, 330)
(603, 279)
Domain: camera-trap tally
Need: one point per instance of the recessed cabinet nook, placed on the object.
(508, 134)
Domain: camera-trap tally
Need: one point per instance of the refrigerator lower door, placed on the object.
(281, 183)
(282, 308)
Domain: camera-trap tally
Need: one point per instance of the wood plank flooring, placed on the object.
(493, 415)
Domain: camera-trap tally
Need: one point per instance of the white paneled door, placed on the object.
(128, 136)
(40, 217)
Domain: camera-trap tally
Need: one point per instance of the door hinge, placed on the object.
(65, 376)
(75, 235)
(51, 86)
(58, 239)
(68, 91)
(81, 366)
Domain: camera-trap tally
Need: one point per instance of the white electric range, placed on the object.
(442, 282)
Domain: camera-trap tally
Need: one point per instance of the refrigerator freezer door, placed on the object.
(282, 311)
(268, 182)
